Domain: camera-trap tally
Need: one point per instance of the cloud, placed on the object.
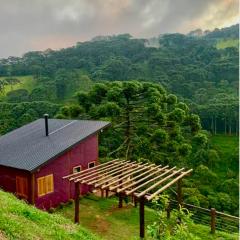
(36, 25)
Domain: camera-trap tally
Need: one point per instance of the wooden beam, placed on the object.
(77, 195)
(96, 167)
(127, 174)
(96, 173)
(140, 180)
(101, 170)
(134, 178)
(141, 217)
(158, 183)
(109, 174)
(146, 183)
(167, 185)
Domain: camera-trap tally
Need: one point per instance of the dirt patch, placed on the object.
(100, 225)
(2, 237)
(117, 209)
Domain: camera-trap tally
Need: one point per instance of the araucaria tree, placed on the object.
(146, 121)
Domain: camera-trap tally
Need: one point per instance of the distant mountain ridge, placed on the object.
(226, 32)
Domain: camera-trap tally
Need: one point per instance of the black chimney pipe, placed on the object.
(46, 123)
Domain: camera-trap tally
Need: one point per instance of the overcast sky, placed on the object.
(40, 24)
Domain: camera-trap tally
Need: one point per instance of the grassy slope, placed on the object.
(21, 221)
(104, 218)
(27, 82)
(225, 145)
(227, 43)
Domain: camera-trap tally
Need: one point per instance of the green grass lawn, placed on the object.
(226, 146)
(19, 221)
(227, 43)
(101, 216)
(27, 82)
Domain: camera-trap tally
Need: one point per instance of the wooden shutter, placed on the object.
(49, 183)
(22, 186)
(45, 185)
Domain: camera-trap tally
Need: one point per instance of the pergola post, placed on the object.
(120, 203)
(77, 195)
(102, 193)
(145, 184)
(135, 202)
(107, 191)
(141, 216)
(179, 192)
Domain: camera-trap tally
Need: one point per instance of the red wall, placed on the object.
(85, 152)
(8, 179)
(82, 154)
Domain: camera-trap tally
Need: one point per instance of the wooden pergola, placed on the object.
(142, 181)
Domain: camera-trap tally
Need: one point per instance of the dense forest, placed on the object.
(164, 100)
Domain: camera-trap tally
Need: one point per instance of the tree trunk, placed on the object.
(215, 125)
(230, 127)
(127, 132)
(212, 127)
(225, 126)
(236, 127)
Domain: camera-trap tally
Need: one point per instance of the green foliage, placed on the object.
(145, 120)
(19, 95)
(14, 115)
(175, 227)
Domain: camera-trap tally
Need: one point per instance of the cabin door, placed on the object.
(22, 187)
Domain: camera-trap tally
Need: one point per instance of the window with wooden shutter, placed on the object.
(22, 186)
(45, 185)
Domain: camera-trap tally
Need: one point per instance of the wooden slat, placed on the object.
(136, 177)
(106, 174)
(139, 168)
(115, 167)
(158, 183)
(92, 170)
(99, 165)
(110, 178)
(121, 176)
(142, 179)
(149, 181)
(167, 185)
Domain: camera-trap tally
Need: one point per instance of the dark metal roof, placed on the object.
(29, 148)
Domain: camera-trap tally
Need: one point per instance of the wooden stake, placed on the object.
(77, 195)
(168, 210)
(107, 191)
(179, 192)
(102, 193)
(141, 215)
(135, 202)
(213, 220)
(120, 203)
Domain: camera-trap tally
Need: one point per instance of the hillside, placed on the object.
(21, 221)
(102, 217)
(201, 71)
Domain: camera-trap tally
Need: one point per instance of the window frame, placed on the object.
(94, 162)
(78, 166)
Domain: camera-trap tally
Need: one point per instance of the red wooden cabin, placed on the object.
(35, 157)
